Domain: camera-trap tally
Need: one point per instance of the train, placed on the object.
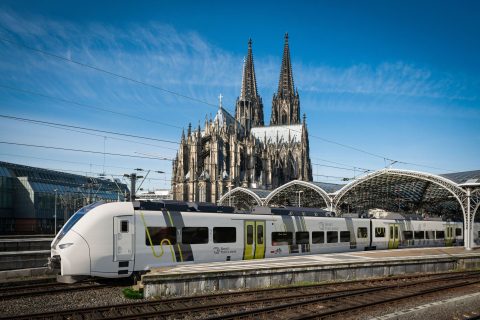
(126, 239)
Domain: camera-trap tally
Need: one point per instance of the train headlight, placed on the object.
(65, 245)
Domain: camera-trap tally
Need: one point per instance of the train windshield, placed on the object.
(74, 219)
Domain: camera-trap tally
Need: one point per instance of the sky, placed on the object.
(379, 81)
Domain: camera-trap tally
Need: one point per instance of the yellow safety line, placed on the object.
(178, 245)
(161, 242)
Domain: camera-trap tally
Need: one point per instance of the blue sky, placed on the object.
(397, 79)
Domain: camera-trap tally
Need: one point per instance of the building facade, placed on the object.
(30, 196)
(233, 151)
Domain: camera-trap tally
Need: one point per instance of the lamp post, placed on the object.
(55, 214)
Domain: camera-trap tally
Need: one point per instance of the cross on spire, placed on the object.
(220, 100)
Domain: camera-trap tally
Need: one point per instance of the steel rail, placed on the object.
(303, 304)
(95, 312)
(35, 290)
(392, 299)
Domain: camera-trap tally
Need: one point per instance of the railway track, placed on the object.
(20, 289)
(303, 302)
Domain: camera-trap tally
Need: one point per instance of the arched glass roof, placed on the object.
(243, 198)
(300, 194)
(402, 191)
(392, 190)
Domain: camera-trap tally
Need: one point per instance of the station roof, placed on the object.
(261, 193)
(393, 190)
(328, 187)
(462, 177)
(401, 191)
(47, 181)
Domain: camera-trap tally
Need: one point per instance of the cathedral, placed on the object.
(241, 151)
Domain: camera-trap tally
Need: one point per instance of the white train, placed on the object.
(123, 238)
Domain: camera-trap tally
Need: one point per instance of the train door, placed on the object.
(254, 240)
(260, 239)
(449, 236)
(393, 236)
(123, 237)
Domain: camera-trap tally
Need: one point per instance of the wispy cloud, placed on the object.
(397, 78)
(189, 64)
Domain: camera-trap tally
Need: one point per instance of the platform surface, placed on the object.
(317, 260)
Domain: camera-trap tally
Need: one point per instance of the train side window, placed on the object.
(302, 237)
(282, 238)
(249, 234)
(440, 234)
(362, 232)
(458, 232)
(408, 235)
(158, 234)
(429, 234)
(124, 226)
(344, 236)
(318, 237)
(194, 235)
(380, 232)
(332, 237)
(419, 235)
(259, 234)
(224, 234)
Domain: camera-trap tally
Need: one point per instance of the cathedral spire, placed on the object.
(286, 102)
(249, 108)
(285, 83)
(249, 82)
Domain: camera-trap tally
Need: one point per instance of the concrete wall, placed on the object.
(209, 282)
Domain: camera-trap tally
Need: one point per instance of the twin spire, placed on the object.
(249, 109)
(249, 81)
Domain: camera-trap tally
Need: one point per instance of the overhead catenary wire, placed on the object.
(83, 151)
(56, 124)
(79, 104)
(111, 73)
(66, 127)
(71, 162)
(105, 71)
(88, 129)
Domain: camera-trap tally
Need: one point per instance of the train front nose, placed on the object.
(72, 256)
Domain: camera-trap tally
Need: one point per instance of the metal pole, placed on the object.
(469, 233)
(55, 215)
(133, 179)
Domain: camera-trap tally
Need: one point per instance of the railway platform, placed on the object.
(11, 260)
(25, 244)
(193, 279)
(19, 253)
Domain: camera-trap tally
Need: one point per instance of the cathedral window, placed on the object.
(202, 197)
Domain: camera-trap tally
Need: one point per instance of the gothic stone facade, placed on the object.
(242, 151)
